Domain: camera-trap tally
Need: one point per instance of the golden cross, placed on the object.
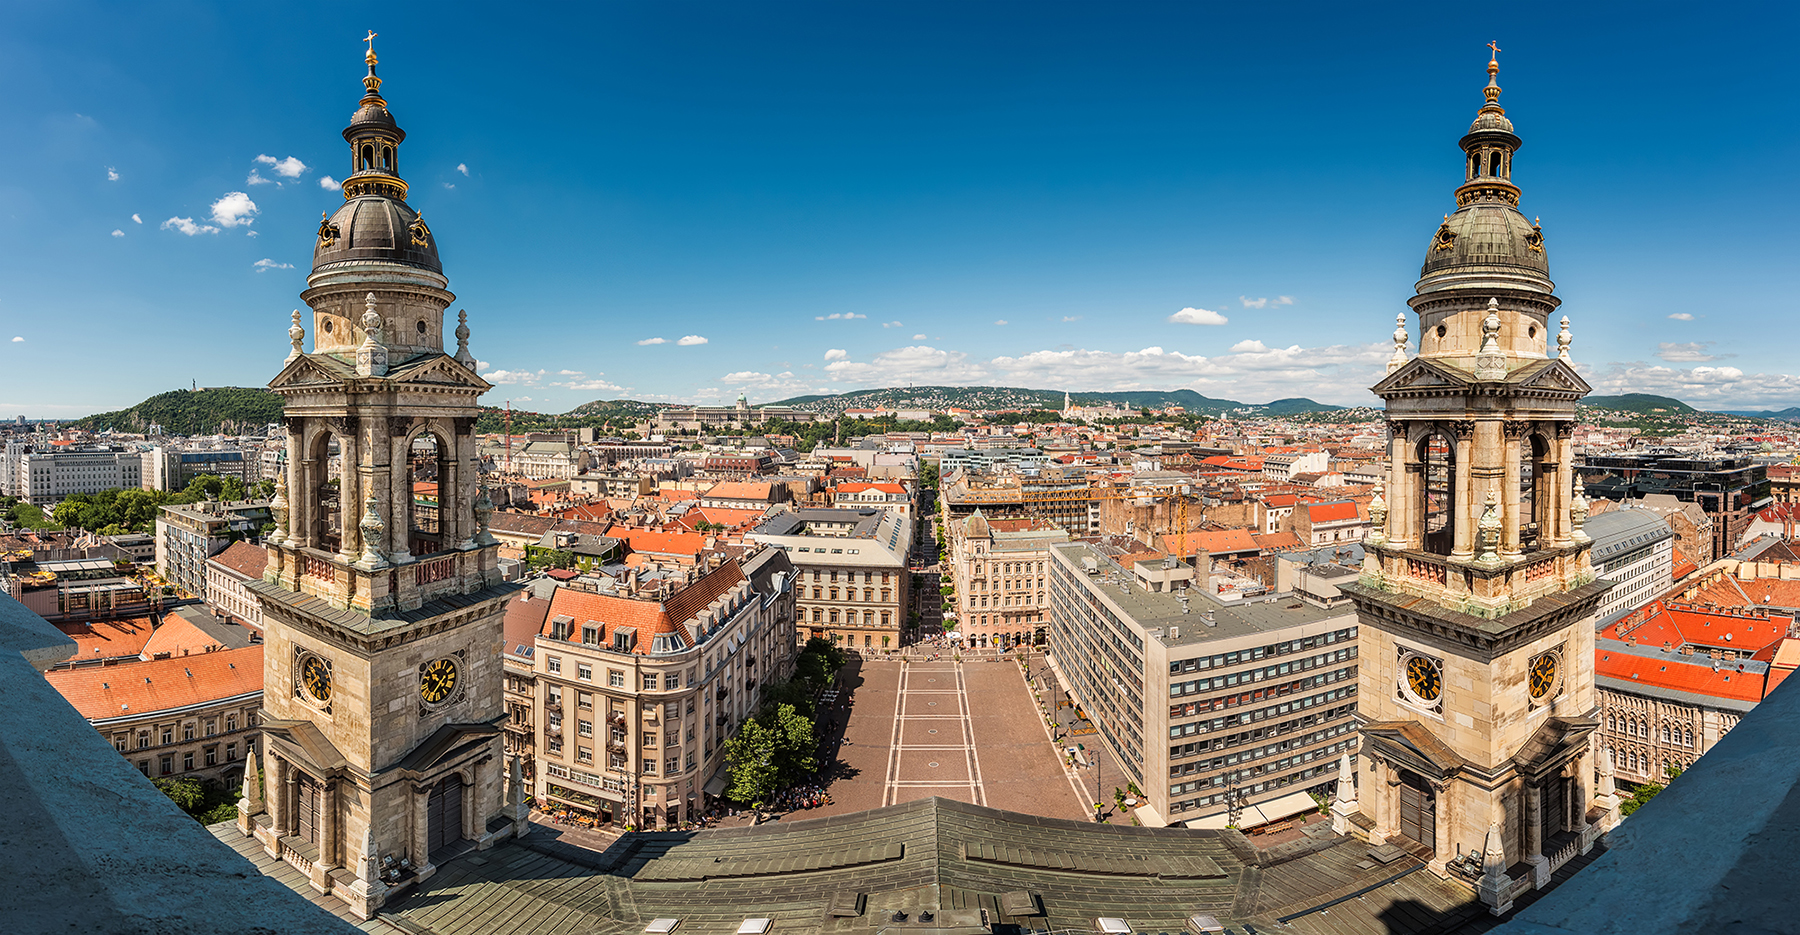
(370, 39)
(1492, 45)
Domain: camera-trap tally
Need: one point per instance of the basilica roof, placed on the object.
(373, 227)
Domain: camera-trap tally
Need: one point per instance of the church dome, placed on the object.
(1494, 119)
(371, 227)
(1490, 233)
(373, 113)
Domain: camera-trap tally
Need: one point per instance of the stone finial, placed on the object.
(1399, 355)
(1563, 341)
(462, 340)
(1489, 531)
(1346, 777)
(371, 356)
(484, 511)
(1578, 512)
(296, 335)
(1606, 784)
(515, 799)
(279, 506)
(1490, 361)
(1493, 853)
(372, 531)
(1378, 511)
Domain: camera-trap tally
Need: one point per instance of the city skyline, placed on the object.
(686, 203)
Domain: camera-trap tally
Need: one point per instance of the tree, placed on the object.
(1646, 792)
(794, 745)
(186, 792)
(750, 762)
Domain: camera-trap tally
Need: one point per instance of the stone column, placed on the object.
(290, 802)
(1534, 835)
(328, 825)
(303, 489)
(349, 495)
(1467, 508)
(1511, 523)
(279, 774)
(1565, 482)
(400, 498)
(1400, 495)
(421, 831)
(1440, 791)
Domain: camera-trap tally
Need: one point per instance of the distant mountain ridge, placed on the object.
(1013, 397)
(1638, 402)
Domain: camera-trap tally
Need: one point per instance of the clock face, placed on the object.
(438, 680)
(1424, 678)
(315, 676)
(1543, 675)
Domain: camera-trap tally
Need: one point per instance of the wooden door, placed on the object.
(308, 794)
(1552, 816)
(1418, 814)
(443, 811)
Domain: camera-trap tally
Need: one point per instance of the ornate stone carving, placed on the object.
(1398, 359)
(345, 425)
(1534, 241)
(296, 335)
(1378, 511)
(484, 511)
(398, 426)
(328, 232)
(294, 424)
(420, 234)
(1578, 512)
(1490, 361)
(372, 531)
(279, 506)
(1516, 429)
(1463, 428)
(371, 356)
(1563, 340)
(1489, 531)
(1444, 239)
(462, 355)
(1565, 430)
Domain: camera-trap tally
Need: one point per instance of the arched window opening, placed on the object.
(368, 157)
(1437, 490)
(432, 481)
(1688, 737)
(1474, 165)
(328, 523)
(1494, 164)
(387, 158)
(1535, 494)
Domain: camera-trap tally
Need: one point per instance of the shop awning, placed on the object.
(715, 786)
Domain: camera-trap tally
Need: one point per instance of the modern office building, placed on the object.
(1730, 488)
(1211, 708)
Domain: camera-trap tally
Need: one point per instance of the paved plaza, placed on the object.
(967, 730)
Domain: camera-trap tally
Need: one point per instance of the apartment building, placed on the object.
(852, 586)
(227, 573)
(1211, 708)
(1000, 568)
(187, 535)
(636, 691)
(172, 468)
(1634, 549)
(887, 496)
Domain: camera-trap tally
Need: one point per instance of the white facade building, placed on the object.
(44, 477)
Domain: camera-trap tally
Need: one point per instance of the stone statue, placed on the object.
(296, 334)
(1399, 355)
(371, 356)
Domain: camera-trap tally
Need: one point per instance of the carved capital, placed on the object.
(1463, 428)
(1565, 430)
(294, 424)
(345, 425)
(1396, 429)
(464, 424)
(398, 426)
(1516, 429)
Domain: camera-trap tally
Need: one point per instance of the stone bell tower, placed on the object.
(1477, 597)
(382, 600)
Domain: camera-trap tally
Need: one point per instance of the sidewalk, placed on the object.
(1102, 773)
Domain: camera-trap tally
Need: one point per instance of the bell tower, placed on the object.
(1477, 597)
(382, 599)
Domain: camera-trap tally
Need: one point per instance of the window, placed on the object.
(584, 672)
(555, 696)
(168, 736)
(553, 664)
(690, 757)
(590, 635)
(212, 756)
(615, 678)
(187, 762)
(554, 743)
(672, 681)
(673, 766)
(231, 751)
(119, 743)
(144, 767)
(615, 761)
(167, 764)
(584, 755)
(209, 727)
(649, 767)
(584, 700)
(187, 731)
(143, 739)
(584, 728)
(650, 738)
(650, 681)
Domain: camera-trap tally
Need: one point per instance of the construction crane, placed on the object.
(507, 431)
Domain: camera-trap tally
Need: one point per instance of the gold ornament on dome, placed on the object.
(328, 232)
(1446, 238)
(1535, 239)
(421, 235)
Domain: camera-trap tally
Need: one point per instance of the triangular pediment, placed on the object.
(312, 370)
(439, 370)
(1420, 374)
(303, 743)
(445, 744)
(1414, 744)
(1557, 375)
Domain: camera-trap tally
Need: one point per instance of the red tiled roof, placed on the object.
(682, 544)
(590, 512)
(524, 619)
(1679, 625)
(1678, 673)
(861, 487)
(104, 639)
(177, 636)
(668, 493)
(1684, 566)
(146, 687)
(1023, 524)
(1218, 541)
(244, 559)
(1278, 541)
(1332, 512)
(648, 617)
(1280, 500)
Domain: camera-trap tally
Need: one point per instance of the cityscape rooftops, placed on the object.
(101, 693)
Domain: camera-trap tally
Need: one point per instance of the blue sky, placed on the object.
(839, 195)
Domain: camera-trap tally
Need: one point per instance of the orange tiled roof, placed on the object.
(243, 558)
(668, 493)
(1684, 566)
(1223, 540)
(1332, 512)
(861, 487)
(105, 639)
(648, 617)
(684, 544)
(1278, 541)
(177, 636)
(147, 687)
(739, 490)
(524, 619)
(1679, 625)
(1678, 674)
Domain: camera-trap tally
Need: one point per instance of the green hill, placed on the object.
(216, 409)
(1644, 403)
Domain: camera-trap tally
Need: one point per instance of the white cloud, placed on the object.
(118, 233)
(256, 178)
(330, 184)
(523, 377)
(17, 340)
(448, 185)
(136, 220)
(1248, 347)
(890, 324)
(289, 168)
(1071, 318)
(1264, 303)
(482, 365)
(838, 316)
(916, 364)
(1000, 322)
(595, 384)
(112, 174)
(1682, 316)
(463, 167)
(250, 234)
(784, 381)
(1689, 352)
(691, 340)
(918, 337)
(234, 209)
(653, 341)
(188, 227)
(1251, 373)
(837, 354)
(265, 264)
(1198, 316)
(570, 373)
(1709, 387)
